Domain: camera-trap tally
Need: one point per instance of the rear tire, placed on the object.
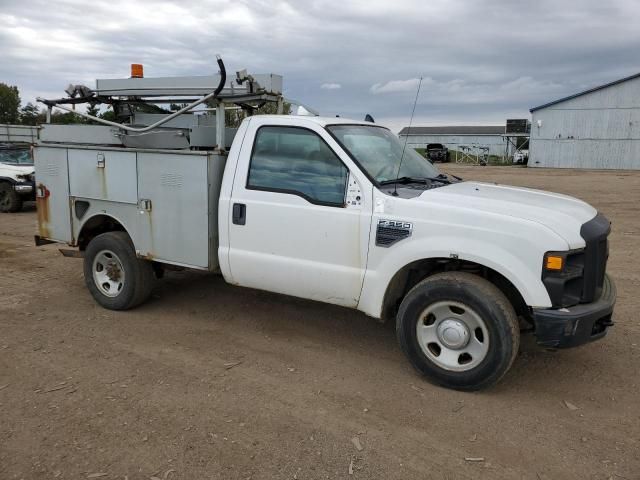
(458, 330)
(10, 201)
(116, 278)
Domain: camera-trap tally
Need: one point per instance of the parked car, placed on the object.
(436, 152)
(17, 177)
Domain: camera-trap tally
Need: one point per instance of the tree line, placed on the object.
(30, 114)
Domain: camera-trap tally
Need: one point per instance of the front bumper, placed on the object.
(25, 188)
(573, 326)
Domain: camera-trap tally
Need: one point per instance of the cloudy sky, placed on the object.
(482, 60)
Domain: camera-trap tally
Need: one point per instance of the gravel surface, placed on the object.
(211, 381)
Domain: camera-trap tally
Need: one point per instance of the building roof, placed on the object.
(591, 90)
(455, 130)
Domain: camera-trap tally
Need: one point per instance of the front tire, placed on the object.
(116, 278)
(10, 201)
(458, 330)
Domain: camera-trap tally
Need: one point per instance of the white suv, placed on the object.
(17, 178)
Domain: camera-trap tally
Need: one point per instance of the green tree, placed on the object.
(94, 111)
(233, 118)
(65, 118)
(9, 104)
(29, 114)
(109, 115)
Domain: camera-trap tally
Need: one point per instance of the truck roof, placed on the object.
(324, 121)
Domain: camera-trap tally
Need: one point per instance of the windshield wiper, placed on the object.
(403, 180)
(424, 180)
(447, 175)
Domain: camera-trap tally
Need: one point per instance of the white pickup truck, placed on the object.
(320, 208)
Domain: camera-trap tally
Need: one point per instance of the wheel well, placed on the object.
(96, 226)
(410, 275)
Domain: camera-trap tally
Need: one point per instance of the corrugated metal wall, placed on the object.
(496, 143)
(596, 130)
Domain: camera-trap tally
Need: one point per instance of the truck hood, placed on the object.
(15, 169)
(561, 213)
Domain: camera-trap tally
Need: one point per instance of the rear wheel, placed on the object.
(10, 201)
(458, 330)
(116, 278)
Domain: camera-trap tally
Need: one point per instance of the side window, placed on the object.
(298, 161)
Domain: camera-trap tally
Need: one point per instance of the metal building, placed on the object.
(598, 128)
(455, 138)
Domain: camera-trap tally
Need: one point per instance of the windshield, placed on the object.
(19, 156)
(378, 151)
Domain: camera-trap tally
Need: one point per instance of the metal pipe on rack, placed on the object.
(214, 94)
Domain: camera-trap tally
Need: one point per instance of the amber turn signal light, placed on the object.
(554, 262)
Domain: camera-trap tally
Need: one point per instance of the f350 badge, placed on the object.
(389, 232)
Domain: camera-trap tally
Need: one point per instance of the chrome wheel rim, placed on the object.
(453, 336)
(108, 273)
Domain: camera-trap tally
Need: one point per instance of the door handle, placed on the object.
(239, 215)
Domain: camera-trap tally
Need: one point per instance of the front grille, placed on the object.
(595, 233)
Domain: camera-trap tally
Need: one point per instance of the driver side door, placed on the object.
(295, 225)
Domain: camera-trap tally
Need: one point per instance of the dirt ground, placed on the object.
(210, 381)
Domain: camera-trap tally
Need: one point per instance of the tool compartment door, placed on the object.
(52, 201)
(103, 175)
(173, 208)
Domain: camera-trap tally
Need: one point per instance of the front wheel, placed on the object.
(458, 330)
(10, 201)
(116, 278)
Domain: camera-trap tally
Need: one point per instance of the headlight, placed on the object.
(562, 276)
(25, 177)
(570, 262)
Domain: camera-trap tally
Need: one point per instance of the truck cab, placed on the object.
(338, 211)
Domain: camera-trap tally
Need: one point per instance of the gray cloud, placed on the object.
(481, 61)
(395, 86)
(330, 86)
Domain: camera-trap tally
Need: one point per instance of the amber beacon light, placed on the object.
(137, 70)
